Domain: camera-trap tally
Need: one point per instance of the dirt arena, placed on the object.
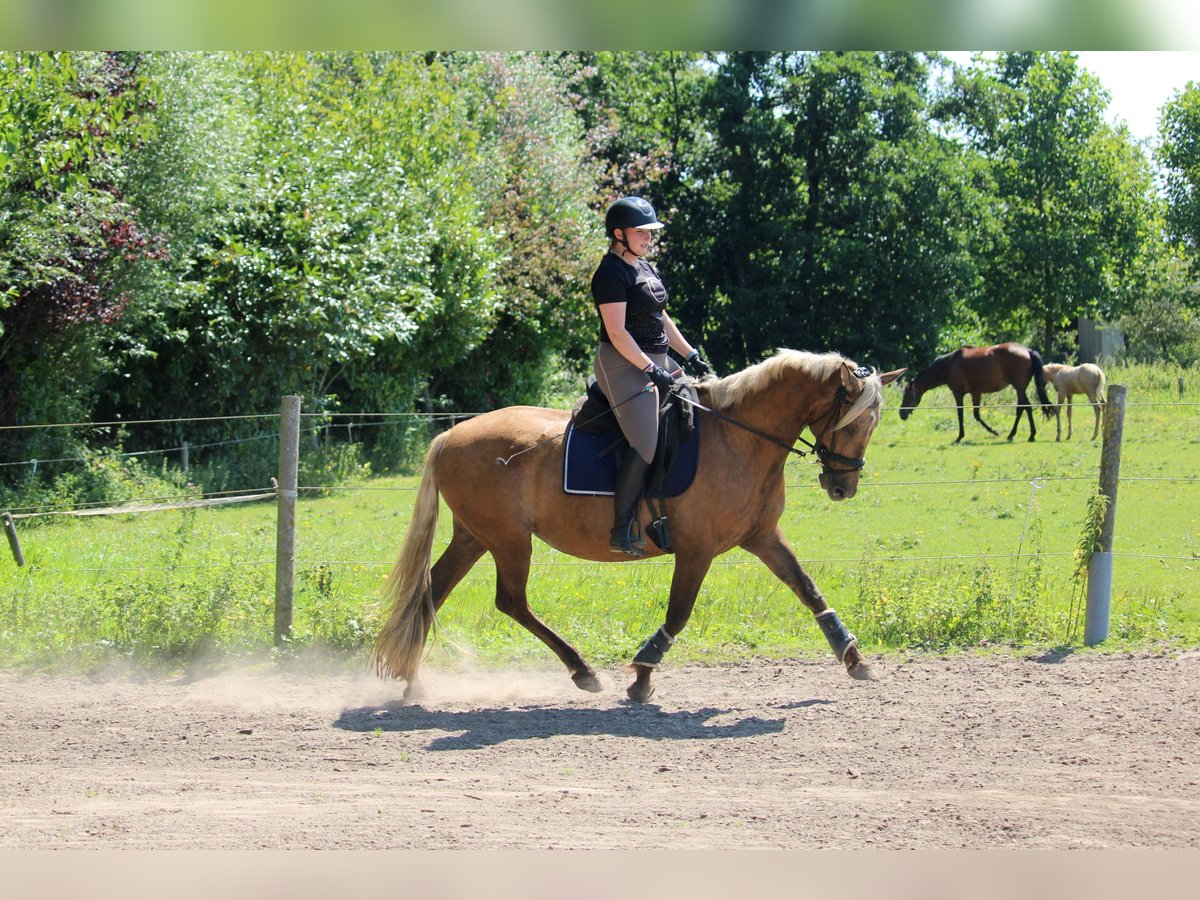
(1061, 750)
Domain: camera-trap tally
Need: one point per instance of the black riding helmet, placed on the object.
(630, 212)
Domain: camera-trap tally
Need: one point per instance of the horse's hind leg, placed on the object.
(690, 570)
(463, 551)
(1096, 426)
(779, 558)
(512, 577)
(1023, 406)
(975, 398)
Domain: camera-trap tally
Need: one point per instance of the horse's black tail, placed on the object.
(1039, 380)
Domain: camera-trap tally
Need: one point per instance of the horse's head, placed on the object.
(841, 441)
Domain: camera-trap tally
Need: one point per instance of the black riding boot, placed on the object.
(631, 479)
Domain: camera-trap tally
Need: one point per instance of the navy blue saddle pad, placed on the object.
(585, 471)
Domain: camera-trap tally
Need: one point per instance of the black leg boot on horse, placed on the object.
(631, 481)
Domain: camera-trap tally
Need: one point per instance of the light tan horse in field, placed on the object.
(500, 474)
(1087, 379)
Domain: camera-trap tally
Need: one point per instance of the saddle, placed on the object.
(593, 414)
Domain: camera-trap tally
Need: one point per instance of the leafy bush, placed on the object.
(1164, 326)
(99, 477)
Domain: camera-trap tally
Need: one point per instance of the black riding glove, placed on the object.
(661, 377)
(696, 365)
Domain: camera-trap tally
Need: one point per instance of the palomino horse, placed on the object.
(982, 370)
(1087, 379)
(500, 474)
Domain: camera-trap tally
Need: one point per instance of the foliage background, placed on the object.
(194, 234)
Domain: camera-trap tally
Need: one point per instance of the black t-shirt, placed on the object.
(644, 296)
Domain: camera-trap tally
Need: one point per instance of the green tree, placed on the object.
(642, 116)
(534, 184)
(348, 262)
(1073, 215)
(1163, 324)
(828, 213)
(69, 236)
(1179, 154)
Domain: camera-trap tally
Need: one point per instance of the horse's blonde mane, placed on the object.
(728, 391)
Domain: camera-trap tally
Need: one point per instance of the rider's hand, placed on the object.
(661, 377)
(696, 364)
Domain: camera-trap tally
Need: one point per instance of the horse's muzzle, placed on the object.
(838, 488)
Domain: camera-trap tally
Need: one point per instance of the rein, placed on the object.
(823, 453)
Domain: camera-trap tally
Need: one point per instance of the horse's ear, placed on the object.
(889, 377)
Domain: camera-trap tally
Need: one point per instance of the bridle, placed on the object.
(825, 455)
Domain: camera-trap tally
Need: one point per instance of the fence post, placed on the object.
(285, 536)
(183, 456)
(1100, 567)
(13, 541)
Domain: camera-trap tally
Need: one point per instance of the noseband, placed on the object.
(824, 454)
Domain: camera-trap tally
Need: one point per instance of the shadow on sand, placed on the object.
(1054, 655)
(477, 728)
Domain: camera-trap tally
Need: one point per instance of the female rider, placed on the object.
(631, 361)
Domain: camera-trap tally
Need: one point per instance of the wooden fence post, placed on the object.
(14, 542)
(285, 536)
(1100, 567)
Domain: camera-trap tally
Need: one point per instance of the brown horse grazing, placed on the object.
(982, 370)
(1087, 379)
(500, 474)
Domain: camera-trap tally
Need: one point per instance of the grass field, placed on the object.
(946, 546)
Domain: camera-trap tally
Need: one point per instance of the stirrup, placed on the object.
(623, 540)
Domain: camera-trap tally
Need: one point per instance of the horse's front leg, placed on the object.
(512, 575)
(690, 570)
(958, 402)
(773, 550)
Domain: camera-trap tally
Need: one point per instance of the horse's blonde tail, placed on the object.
(398, 648)
(1102, 388)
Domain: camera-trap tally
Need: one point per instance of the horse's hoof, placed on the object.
(587, 681)
(414, 692)
(640, 693)
(860, 671)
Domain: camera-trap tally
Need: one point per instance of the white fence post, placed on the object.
(285, 536)
(1100, 566)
